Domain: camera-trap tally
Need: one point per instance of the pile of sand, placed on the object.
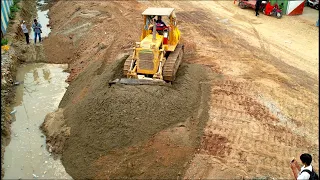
(113, 118)
(56, 131)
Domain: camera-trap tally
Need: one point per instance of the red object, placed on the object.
(161, 27)
(268, 9)
(250, 3)
(165, 40)
(298, 10)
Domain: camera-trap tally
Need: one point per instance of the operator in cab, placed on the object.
(160, 25)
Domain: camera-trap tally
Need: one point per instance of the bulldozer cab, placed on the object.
(160, 23)
(157, 57)
(168, 30)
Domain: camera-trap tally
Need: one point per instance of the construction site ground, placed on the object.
(245, 101)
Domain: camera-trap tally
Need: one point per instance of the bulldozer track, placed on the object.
(127, 64)
(172, 63)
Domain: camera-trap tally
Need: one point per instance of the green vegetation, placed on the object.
(4, 42)
(16, 1)
(13, 9)
(12, 16)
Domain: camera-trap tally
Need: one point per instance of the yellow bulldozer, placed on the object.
(157, 57)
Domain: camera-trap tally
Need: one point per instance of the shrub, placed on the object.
(14, 8)
(4, 42)
(12, 15)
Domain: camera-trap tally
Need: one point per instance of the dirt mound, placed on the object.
(91, 31)
(56, 131)
(110, 119)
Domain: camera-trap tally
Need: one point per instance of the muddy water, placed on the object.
(26, 156)
(43, 19)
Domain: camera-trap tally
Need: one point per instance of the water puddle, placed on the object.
(40, 92)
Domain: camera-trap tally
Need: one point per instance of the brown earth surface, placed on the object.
(255, 108)
(56, 131)
(128, 121)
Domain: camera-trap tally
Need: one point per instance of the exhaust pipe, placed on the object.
(154, 31)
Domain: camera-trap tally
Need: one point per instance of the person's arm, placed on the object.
(295, 168)
(162, 22)
(150, 27)
(22, 28)
(40, 26)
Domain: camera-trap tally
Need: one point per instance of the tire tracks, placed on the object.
(244, 133)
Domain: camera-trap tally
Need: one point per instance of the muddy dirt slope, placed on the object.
(130, 121)
(119, 118)
(85, 32)
(263, 105)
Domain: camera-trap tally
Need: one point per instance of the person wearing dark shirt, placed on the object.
(258, 4)
(160, 25)
(159, 21)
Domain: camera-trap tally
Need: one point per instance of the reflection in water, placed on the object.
(46, 74)
(26, 155)
(35, 76)
(20, 77)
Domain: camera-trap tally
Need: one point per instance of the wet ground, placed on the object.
(41, 88)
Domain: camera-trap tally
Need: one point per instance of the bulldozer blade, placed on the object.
(129, 81)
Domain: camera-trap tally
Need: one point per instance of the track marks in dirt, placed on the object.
(216, 145)
(261, 41)
(244, 133)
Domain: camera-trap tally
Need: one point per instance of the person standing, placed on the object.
(306, 172)
(258, 4)
(25, 30)
(37, 30)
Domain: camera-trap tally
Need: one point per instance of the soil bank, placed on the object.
(122, 124)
